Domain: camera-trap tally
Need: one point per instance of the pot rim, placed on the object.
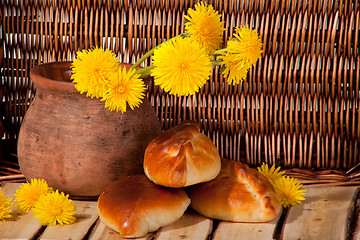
(45, 82)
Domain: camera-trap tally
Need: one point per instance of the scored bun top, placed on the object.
(134, 206)
(238, 194)
(181, 156)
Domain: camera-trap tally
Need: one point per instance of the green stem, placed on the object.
(151, 51)
(143, 58)
(145, 71)
(216, 52)
(216, 62)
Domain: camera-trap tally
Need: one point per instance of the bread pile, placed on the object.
(182, 167)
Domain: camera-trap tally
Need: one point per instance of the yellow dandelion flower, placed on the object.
(289, 191)
(205, 26)
(181, 66)
(28, 193)
(272, 174)
(125, 88)
(247, 45)
(232, 70)
(240, 54)
(91, 71)
(5, 207)
(53, 208)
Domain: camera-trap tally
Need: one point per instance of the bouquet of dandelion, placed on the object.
(180, 66)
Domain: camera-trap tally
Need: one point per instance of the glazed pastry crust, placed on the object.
(238, 194)
(134, 206)
(181, 156)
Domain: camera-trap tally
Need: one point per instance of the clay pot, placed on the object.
(75, 143)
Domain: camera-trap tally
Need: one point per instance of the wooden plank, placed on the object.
(22, 225)
(323, 215)
(101, 232)
(252, 231)
(190, 226)
(86, 215)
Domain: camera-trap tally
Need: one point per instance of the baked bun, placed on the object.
(181, 156)
(134, 206)
(237, 194)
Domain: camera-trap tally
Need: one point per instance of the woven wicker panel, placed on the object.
(298, 107)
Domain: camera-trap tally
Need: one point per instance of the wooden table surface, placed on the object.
(329, 212)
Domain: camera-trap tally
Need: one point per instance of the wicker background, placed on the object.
(299, 106)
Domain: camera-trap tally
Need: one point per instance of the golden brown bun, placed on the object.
(238, 194)
(134, 206)
(181, 156)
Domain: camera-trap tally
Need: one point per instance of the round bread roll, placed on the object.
(134, 206)
(181, 156)
(237, 194)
